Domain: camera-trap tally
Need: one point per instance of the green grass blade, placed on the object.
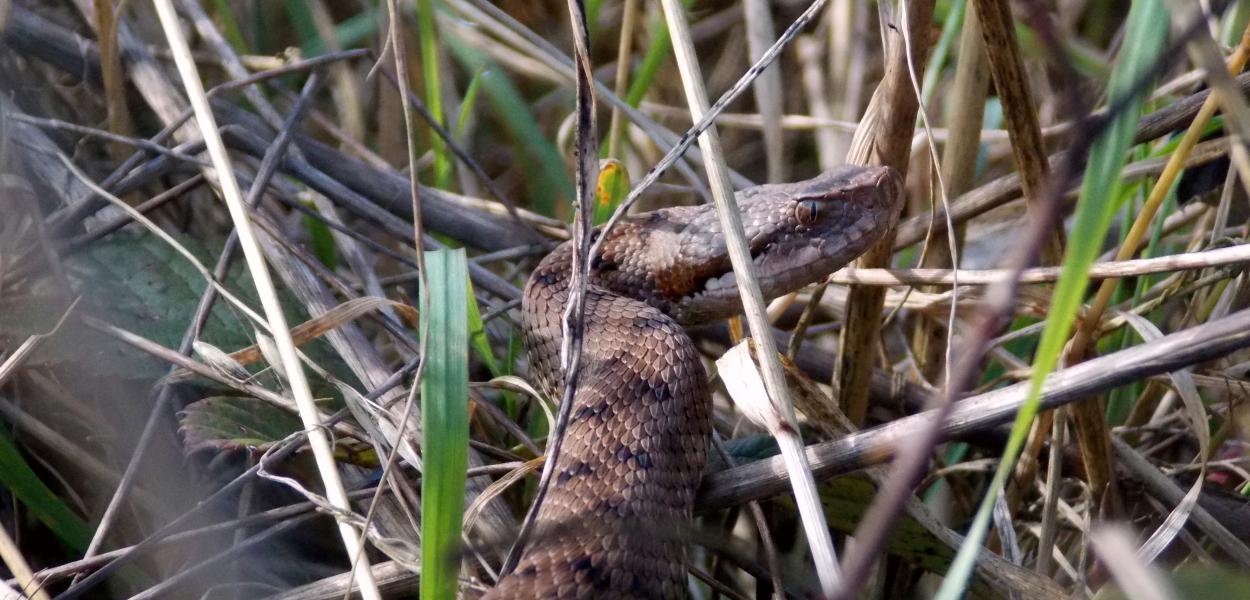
(356, 29)
(951, 27)
(259, 32)
(477, 335)
(305, 26)
(658, 50)
(470, 101)
(228, 23)
(1235, 22)
(1081, 59)
(433, 90)
(348, 33)
(444, 420)
(321, 239)
(1147, 33)
(592, 18)
(548, 181)
(22, 481)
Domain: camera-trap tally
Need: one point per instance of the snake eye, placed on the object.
(807, 212)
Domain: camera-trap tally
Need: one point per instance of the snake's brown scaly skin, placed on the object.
(635, 448)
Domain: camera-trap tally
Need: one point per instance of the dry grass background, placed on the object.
(150, 445)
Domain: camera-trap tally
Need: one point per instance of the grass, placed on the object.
(1146, 35)
(444, 421)
(1155, 445)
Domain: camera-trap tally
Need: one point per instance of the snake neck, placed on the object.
(622, 488)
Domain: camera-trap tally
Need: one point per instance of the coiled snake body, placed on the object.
(636, 442)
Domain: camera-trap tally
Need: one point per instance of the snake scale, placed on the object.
(636, 443)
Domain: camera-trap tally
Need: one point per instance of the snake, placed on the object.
(636, 443)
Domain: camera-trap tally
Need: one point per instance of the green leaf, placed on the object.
(1235, 22)
(1080, 58)
(234, 423)
(221, 423)
(347, 33)
(322, 240)
(444, 420)
(141, 284)
(613, 187)
(1199, 582)
(1146, 34)
(358, 28)
(305, 26)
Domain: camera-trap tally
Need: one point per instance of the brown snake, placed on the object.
(636, 442)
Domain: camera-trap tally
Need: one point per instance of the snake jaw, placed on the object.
(798, 234)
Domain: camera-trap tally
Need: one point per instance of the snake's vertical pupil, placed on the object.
(807, 211)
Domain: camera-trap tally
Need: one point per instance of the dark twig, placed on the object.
(459, 151)
(767, 478)
(138, 143)
(418, 232)
(226, 556)
(360, 206)
(85, 565)
(585, 154)
(40, 39)
(151, 204)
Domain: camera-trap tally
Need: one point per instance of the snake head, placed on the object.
(798, 232)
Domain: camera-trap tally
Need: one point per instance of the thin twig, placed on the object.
(395, 35)
(1233, 255)
(817, 531)
(264, 286)
(205, 305)
(704, 121)
(573, 321)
